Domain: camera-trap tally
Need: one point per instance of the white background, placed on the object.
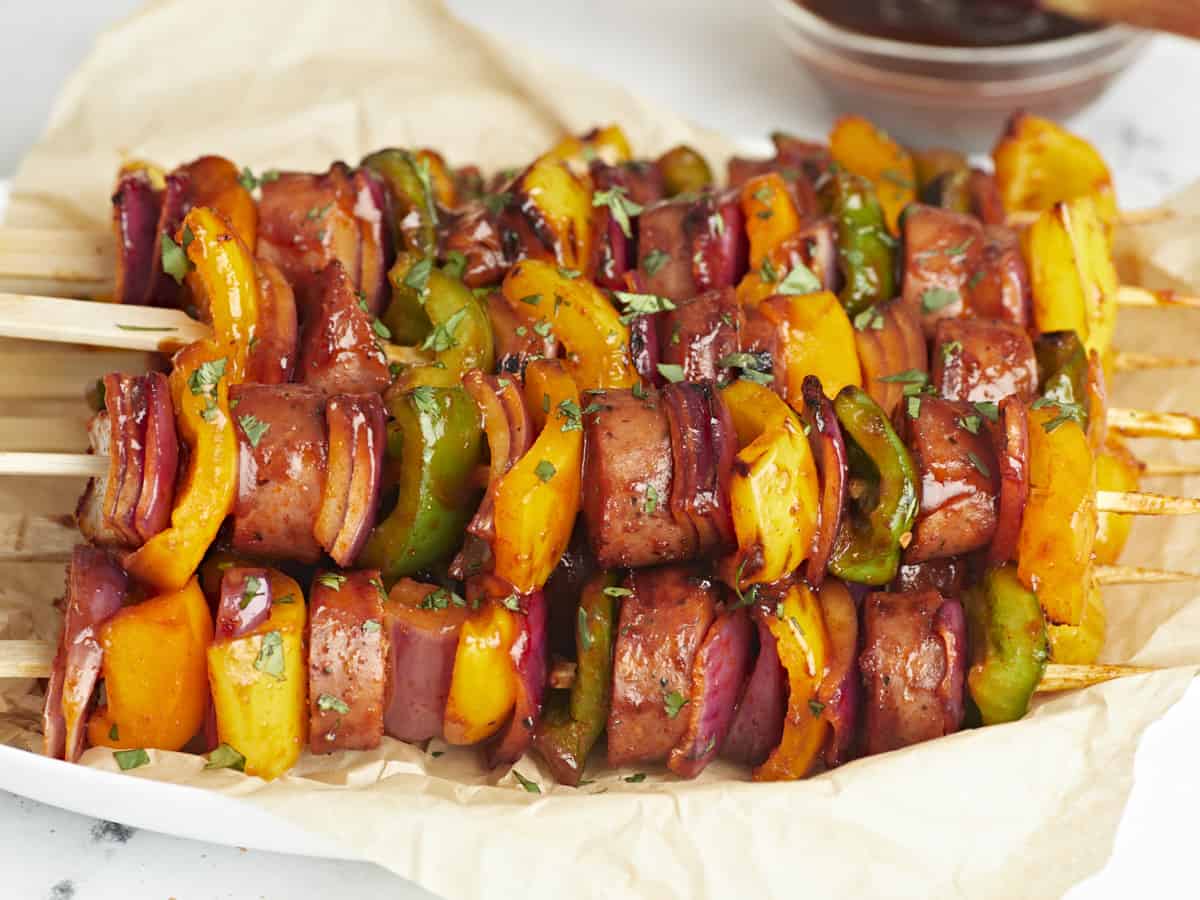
(722, 64)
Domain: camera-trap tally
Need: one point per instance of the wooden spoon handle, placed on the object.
(1179, 16)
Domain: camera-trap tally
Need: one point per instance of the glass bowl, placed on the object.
(964, 95)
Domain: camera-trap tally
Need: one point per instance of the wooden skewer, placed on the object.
(1168, 470)
(1150, 216)
(1137, 575)
(26, 659)
(1058, 677)
(1129, 295)
(1132, 361)
(1144, 423)
(147, 328)
(1139, 503)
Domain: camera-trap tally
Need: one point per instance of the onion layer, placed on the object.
(353, 477)
(829, 454)
(1010, 438)
(245, 602)
(529, 658)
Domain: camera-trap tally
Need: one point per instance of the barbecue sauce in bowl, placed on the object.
(948, 23)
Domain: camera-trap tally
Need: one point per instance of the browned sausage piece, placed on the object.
(983, 360)
(347, 661)
(422, 622)
(1001, 289)
(912, 669)
(942, 251)
(282, 452)
(628, 472)
(700, 333)
(339, 351)
(665, 250)
(662, 624)
(952, 451)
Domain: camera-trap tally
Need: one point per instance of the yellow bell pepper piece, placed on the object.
(864, 150)
(802, 643)
(200, 380)
(596, 339)
(771, 218)
(260, 685)
(1071, 270)
(773, 490)
(483, 684)
(563, 203)
(155, 672)
(1079, 645)
(1058, 531)
(215, 183)
(1116, 470)
(815, 337)
(444, 189)
(1038, 164)
(607, 144)
(537, 500)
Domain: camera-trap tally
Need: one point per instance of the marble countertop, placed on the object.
(665, 51)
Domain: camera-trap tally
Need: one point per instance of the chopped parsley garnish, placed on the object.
(801, 280)
(318, 212)
(673, 703)
(908, 376)
(569, 274)
(651, 503)
(174, 260)
(816, 707)
(871, 318)
(113, 733)
(442, 337)
(897, 178)
(511, 602)
(1067, 412)
(154, 328)
(251, 588)
(456, 264)
(617, 592)
(961, 249)
(655, 260)
(286, 598)
(545, 470)
(635, 778)
(673, 372)
(642, 305)
(383, 332)
(619, 205)
(949, 349)
(330, 703)
(226, 757)
(331, 580)
(246, 179)
(979, 464)
(131, 759)
(531, 787)
(254, 428)
(585, 633)
(936, 298)
(913, 406)
(571, 415)
(426, 401)
(441, 599)
(532, 299)
(496, 202)
(206, 376)
(755, 367)
(270, 655)
(971, 423)
(988, 410)
(418, 276)
(421, 167)
(767, 271)
(543, 328)
(371, 626)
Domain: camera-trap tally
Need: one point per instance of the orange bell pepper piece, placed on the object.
(260, 685)
(596, 339)
(562, 201)
(864, 150)
(608, 144)
(802, 642)
(200, 380)
(814, 337)
(444, 190)
(537, 500)
(214, 182)
(155, 672)
(1038, 164)
(771, 218)
(1116, 470)
(483, 684)
(1079, 645)
(1058, 531)
(773, 490)
(1072, 273)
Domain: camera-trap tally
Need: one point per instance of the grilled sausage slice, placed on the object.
(983, 360)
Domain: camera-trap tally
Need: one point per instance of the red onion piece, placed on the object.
(347, 661)
(96, 588)
(377, 253)
(245, 602)
(815, 247)
(1010, 438)
(697, 491)
(700, 333)
(720, 249)
(829, 454)
(161, 458)
(644, 349)
(612, 249)
(986, 202)
(758, 724)
(272, 357)
(473, 232)
(176, 203)
(530, 660)
(125, 403)
(354, 475)
(841, 688)
(423, 641)
(950, 625)
(719, 676)
(339, 351)
(136, 206)
(725, 448)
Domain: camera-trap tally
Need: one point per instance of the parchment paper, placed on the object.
(1028, 808)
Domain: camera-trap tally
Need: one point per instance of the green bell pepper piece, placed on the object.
(684, 171)
(1063, 372)
(437, 312)
(413, 199)
(435, 443)
(569, 728)
(866, 249)
(868, 543)
(1008, 645)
